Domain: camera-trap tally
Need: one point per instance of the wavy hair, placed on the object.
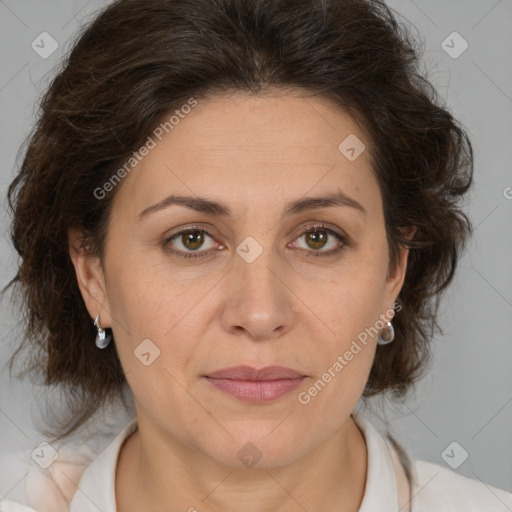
(137, 61)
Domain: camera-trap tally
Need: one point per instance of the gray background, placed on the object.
(467, 396)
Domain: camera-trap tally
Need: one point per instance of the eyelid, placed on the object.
(208, 230)
(320, 225)
(190, 255)
(344, 239)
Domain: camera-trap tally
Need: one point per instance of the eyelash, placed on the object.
(203, 254)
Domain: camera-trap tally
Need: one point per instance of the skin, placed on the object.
(287, 307)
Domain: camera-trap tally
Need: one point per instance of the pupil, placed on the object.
(189, 242)
(318, 237)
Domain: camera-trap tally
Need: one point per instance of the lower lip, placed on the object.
(256, 391)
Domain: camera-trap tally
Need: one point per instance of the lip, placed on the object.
(256, 386)
(252, 374)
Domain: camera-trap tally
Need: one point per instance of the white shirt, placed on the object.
(434, 489)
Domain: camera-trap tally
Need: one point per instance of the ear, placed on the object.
(396, 277)
(90, 278)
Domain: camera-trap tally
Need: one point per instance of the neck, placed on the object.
(155, 472)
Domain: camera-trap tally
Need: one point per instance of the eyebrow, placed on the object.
(217, 208)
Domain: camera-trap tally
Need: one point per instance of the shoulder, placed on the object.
(49, 488)
(26, 484)
(442, 489)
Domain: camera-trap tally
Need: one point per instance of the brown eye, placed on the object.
(321, 241)
(192, 239)
(188, 242)
(316, 238)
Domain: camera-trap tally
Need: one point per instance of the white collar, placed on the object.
(97, 483)
(381, 491)
(96, 488)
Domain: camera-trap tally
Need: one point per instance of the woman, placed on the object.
(243, 213)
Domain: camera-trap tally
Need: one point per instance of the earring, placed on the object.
(385, 341)
(101, 339)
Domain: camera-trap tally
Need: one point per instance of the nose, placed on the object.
(259, 303)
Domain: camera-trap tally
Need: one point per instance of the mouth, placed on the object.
(256, 386)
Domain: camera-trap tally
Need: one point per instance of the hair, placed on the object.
(137, 61)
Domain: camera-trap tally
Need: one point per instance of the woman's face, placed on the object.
(247, 285)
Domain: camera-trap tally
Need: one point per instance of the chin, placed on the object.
(263, 448)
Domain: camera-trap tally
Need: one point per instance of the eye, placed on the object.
(319, 240)
(322, 240)
(189, 241)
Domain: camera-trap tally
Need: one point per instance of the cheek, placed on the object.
(354, 301)
(139, 295)
(351, 309)
(156, 351)
(345, 358)
(350, 348)
(150, 325)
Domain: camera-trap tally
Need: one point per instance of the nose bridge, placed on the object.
(259, 301)
(257, 268)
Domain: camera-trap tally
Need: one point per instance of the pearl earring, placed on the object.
(390, 338)
(101, 339)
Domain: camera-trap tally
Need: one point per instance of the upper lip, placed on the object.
(250, 373)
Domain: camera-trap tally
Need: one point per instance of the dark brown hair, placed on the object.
(137, 61)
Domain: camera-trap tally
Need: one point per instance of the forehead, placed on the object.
(244, 146)
(246, 123)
